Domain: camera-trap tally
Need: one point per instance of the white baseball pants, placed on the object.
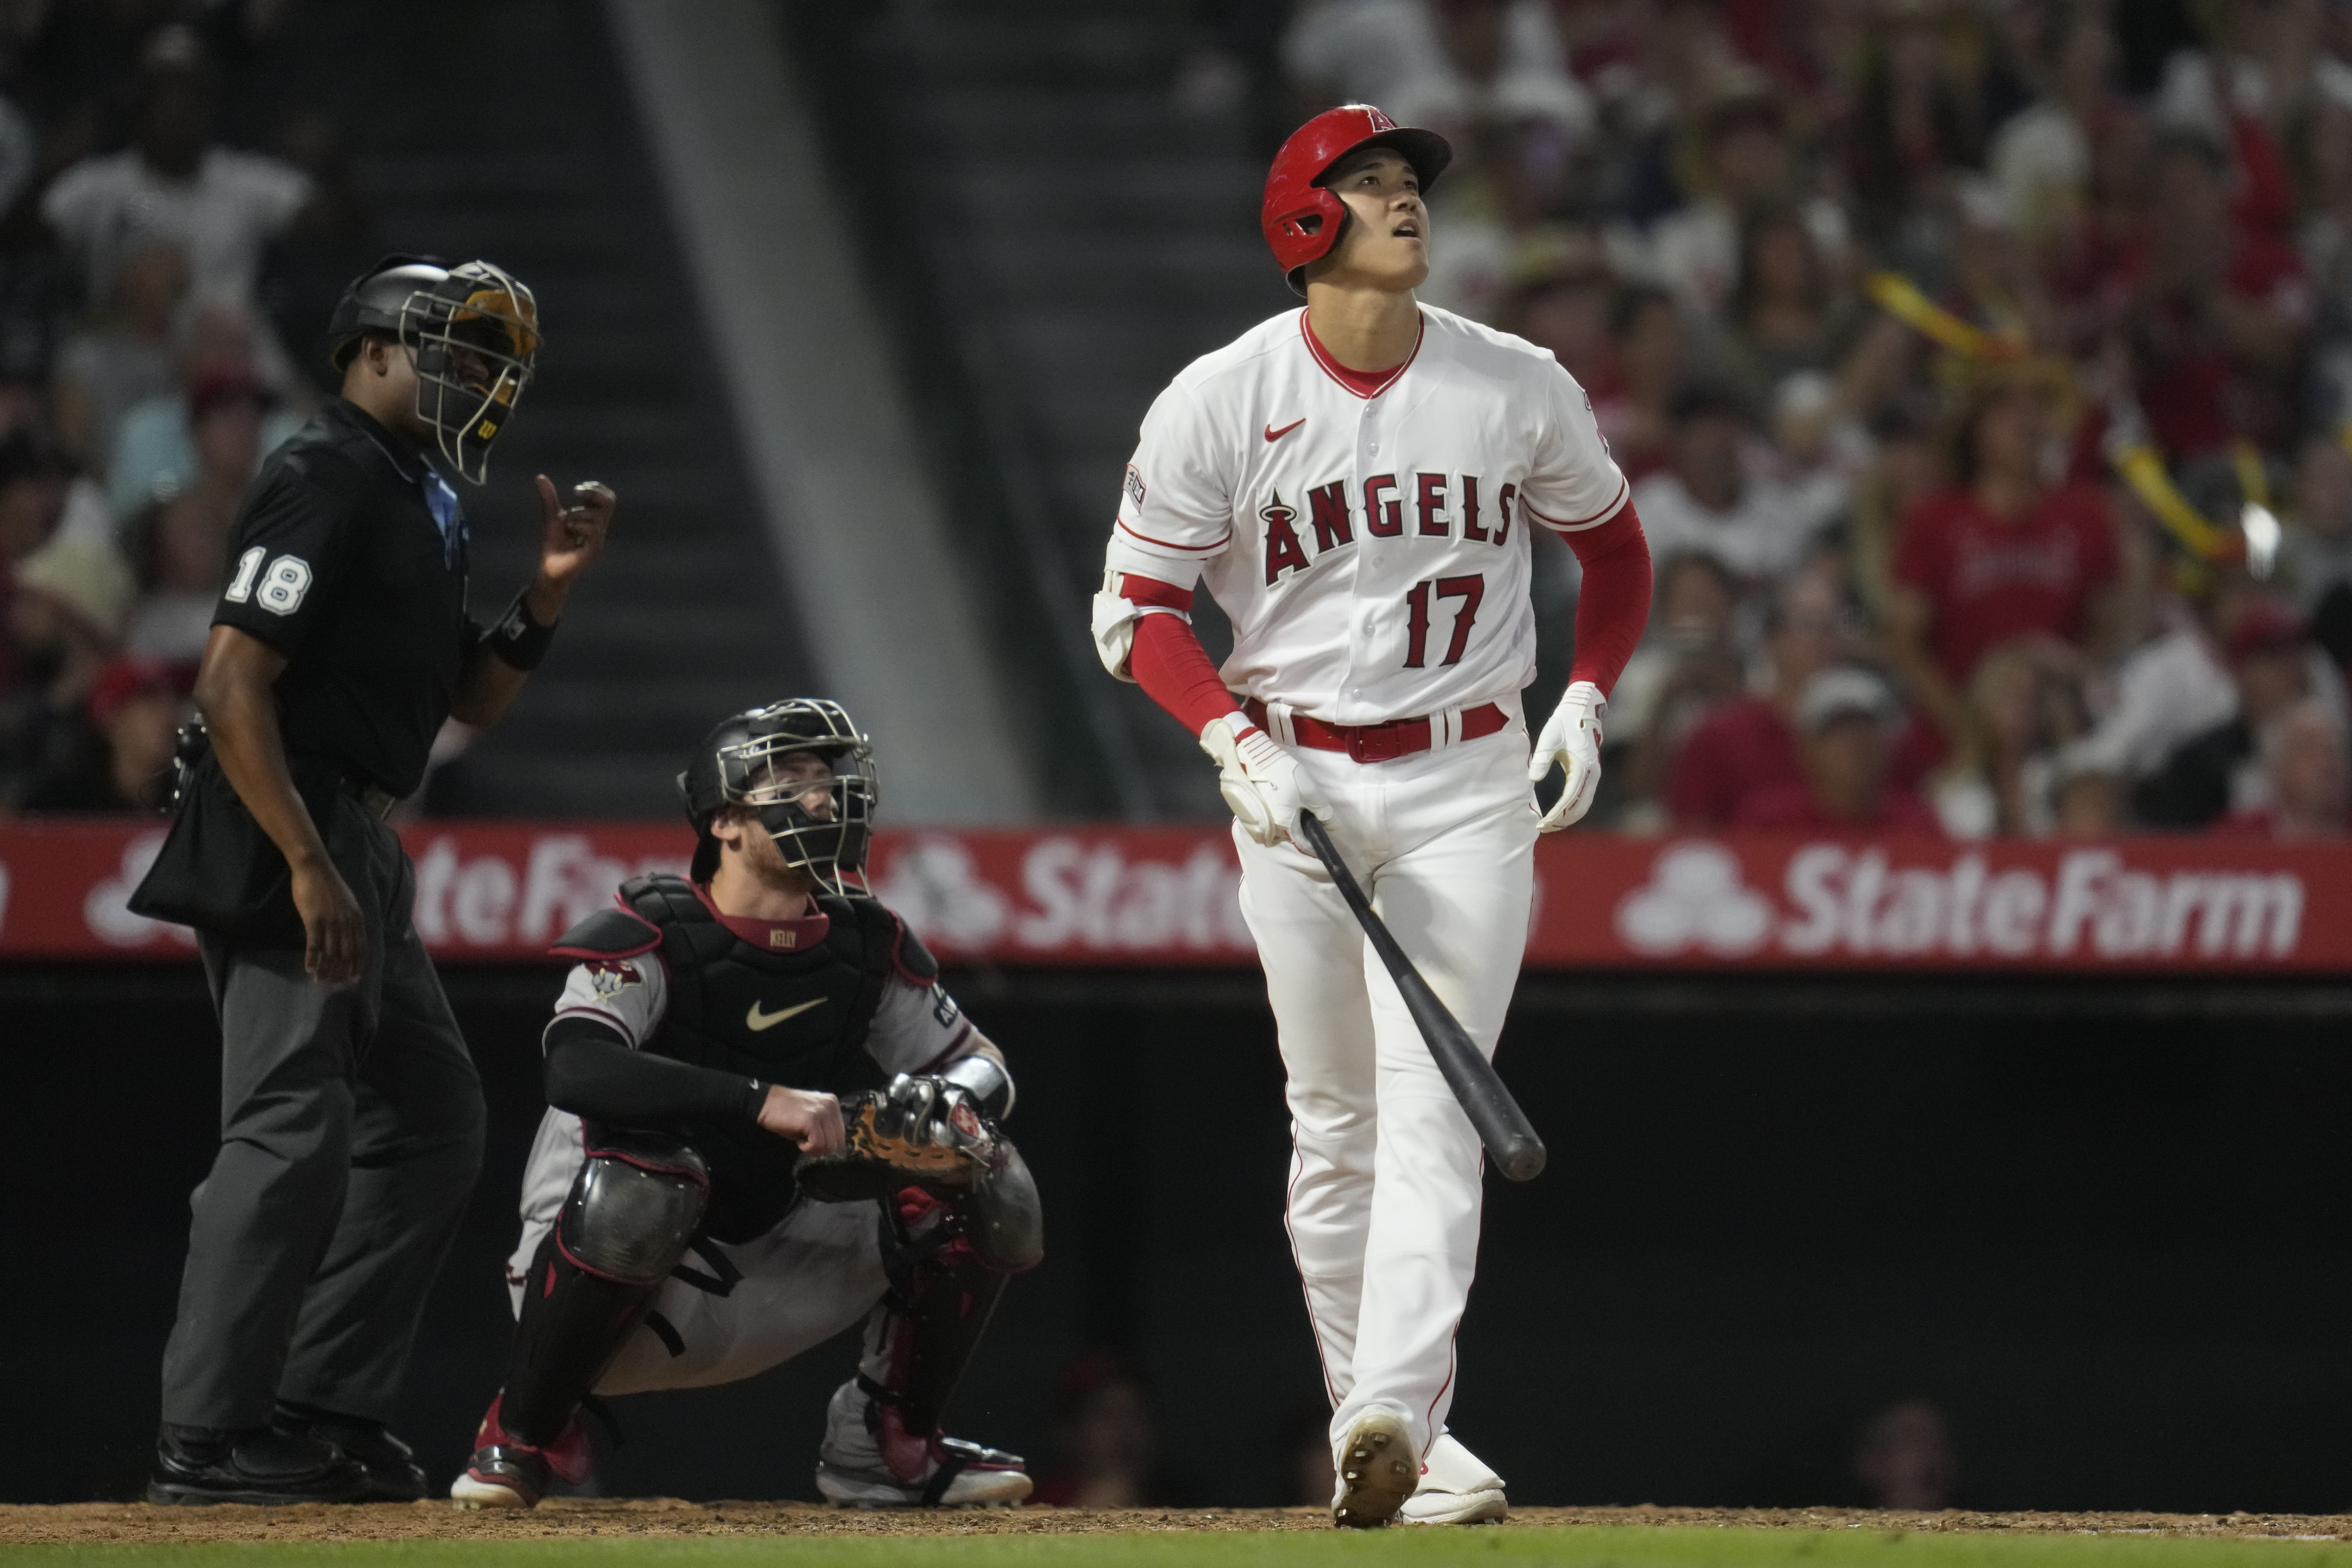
(1384, 1197)
(817, 1272)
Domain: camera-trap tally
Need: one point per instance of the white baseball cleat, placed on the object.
(1377, 1473)
(1456, 1488)
(869, 1461)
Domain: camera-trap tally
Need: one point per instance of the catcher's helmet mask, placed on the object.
(1302, 218)
(472, 333)
(738, 764)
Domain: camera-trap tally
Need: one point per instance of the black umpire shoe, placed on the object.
(255, 1465)
(393, 1472)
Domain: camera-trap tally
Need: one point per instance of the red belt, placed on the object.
(1378, 742)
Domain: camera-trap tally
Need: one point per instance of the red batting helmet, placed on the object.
(1302, 219)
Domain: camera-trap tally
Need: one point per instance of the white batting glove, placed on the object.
(1571, 737)
(1259, 780)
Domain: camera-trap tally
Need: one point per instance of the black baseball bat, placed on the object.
(1502, 1126)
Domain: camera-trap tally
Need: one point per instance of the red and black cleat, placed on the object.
(506, 1472)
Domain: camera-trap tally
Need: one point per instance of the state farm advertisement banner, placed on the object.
(1163, 896)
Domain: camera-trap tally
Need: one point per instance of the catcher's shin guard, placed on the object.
(941, 1297)
(633, 1209)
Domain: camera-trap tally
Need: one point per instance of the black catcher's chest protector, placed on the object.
(794, 1018)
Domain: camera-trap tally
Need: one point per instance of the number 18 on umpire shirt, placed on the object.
(350, 559)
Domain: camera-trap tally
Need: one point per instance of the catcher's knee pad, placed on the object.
(634, 1206)
(633, 1209)
(1001, 1215)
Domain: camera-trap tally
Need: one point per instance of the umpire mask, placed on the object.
(474, 336)
(805, 770)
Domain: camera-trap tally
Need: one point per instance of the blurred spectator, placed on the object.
(1848, 721)
(1993, 280)
(2087, 800)
(1906, 465)
(1560, 299)
(1649, 357)
(222, 206)
(2041, 158)
(1478, 69)
(1492, 76)
(2307, 777)
(33, 491)
(2219, 771)
(65, 613)
(2215, 311)
(111, 756)
(1747, 164)
(2171, 687)
(331, 238)
(1102, 1425)
(1749, 746)
(1914, 125)
(155, 454)
(1381, 52)
(2316, 554)
(2006, 552)
(2025, 705)
(1686, 668)
(1904, 1458)
(1817, 450)
(1709, 503)
(1783, 316)
(178, 544)
(1236, 65)
(126, 357)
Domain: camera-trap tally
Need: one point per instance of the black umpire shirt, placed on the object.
(349, 557)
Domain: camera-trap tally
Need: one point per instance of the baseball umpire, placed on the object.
(701, 1205)
(351, 1116)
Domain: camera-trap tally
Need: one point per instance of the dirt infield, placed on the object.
(137, 1523)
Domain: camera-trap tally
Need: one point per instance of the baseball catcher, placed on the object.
(711, 1192)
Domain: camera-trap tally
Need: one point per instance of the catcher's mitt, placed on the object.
(918, 1133)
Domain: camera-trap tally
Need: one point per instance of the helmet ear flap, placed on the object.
(1314, 231)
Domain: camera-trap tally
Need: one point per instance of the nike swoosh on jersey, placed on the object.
(1273, 434)
(756, 1020)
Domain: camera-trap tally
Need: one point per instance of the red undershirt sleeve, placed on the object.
(1613, 604)
(1168, 660)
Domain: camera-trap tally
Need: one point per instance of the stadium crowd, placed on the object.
(1983, 369)
(146, 262)
(1980, 367)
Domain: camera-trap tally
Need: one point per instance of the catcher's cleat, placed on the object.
(393, 1473)
(506, 1472)
(869, 1461)
(196, 1464)
(1456, 1488)
(1377, 1471)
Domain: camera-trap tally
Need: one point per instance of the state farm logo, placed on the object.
(487, 901)
(1849, 901)
(1074, 896)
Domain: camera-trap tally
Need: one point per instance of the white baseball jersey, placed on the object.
(1372, 551)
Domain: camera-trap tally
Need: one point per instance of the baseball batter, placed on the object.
(1356, 483)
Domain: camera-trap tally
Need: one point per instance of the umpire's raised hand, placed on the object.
(569, 537)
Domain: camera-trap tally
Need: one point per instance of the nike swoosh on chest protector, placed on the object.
(1273, 434)
(756, 1020)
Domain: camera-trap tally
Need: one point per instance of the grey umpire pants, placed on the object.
(351, 1135)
